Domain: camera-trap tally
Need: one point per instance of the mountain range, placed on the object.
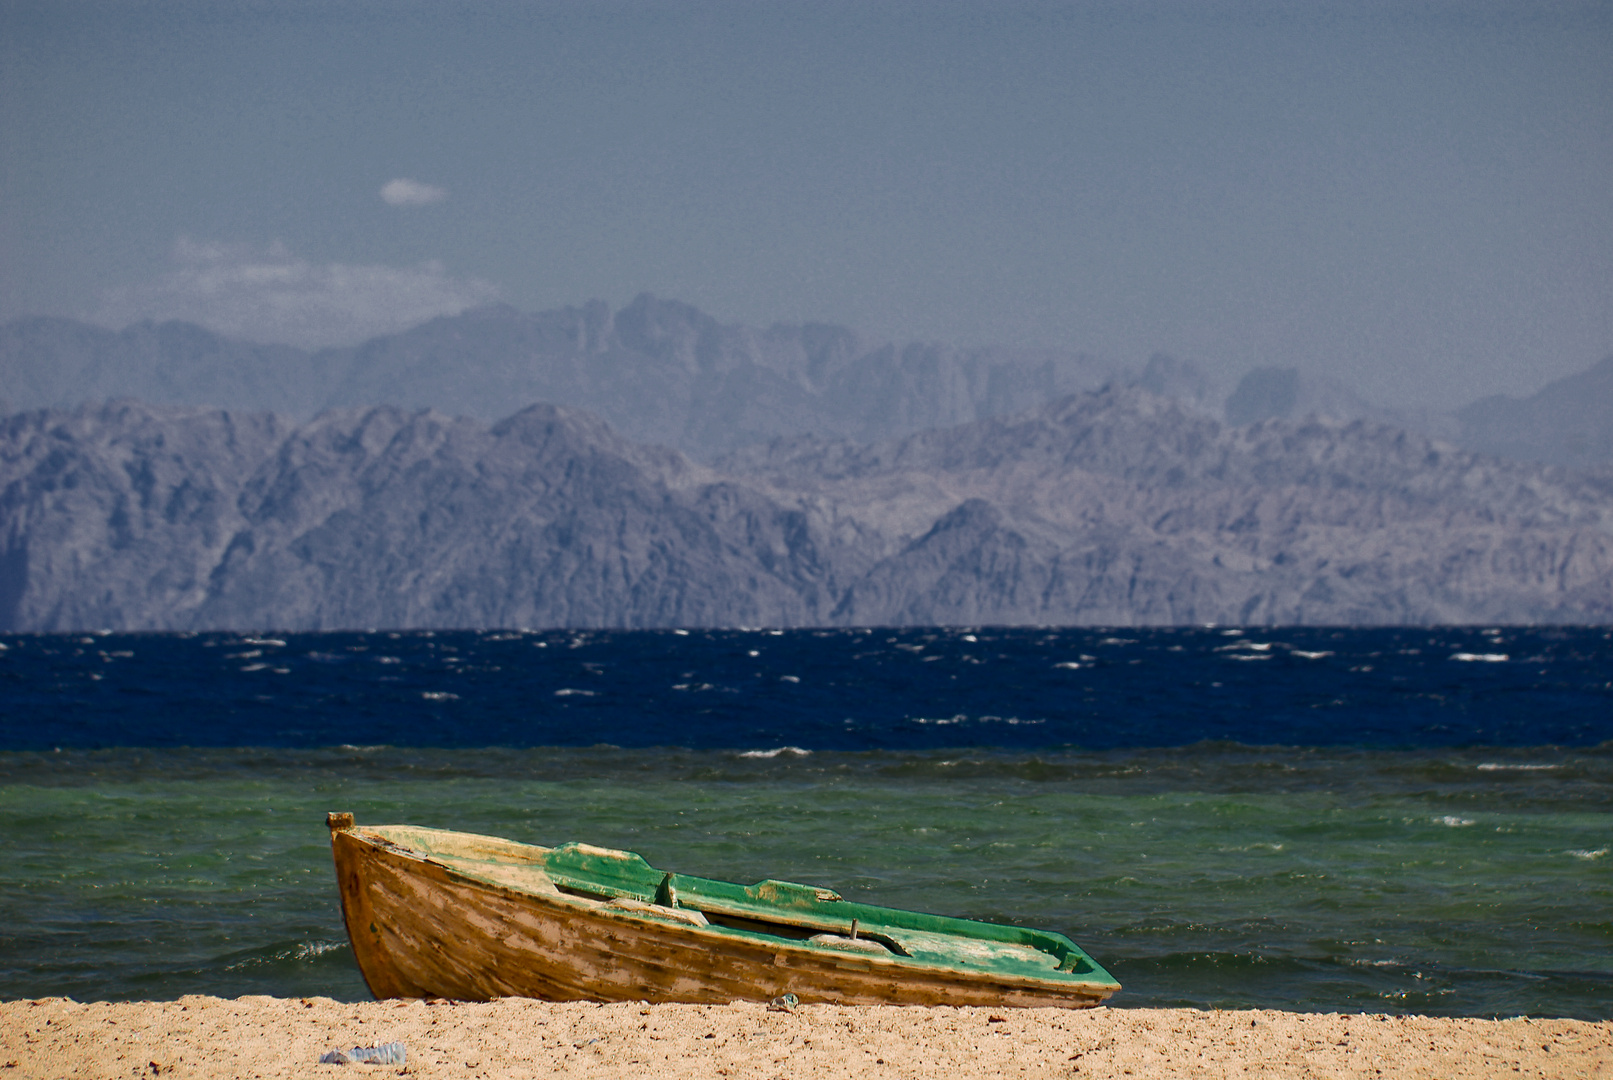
(670, 470)
(1109, 507)
(663, 372)
(657, 370)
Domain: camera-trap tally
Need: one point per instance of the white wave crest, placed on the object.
(303, 950)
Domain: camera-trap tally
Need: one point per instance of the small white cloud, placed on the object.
(269, 295)
(404, 192)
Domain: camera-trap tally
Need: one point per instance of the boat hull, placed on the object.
(420, 929)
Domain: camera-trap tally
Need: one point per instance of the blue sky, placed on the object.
(1413, 198)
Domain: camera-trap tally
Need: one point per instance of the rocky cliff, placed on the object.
(1120, 508)
(130, 516)
(1110, 508)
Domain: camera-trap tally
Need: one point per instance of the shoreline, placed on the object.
(268, 1038)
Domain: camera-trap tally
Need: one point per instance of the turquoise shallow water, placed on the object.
(1461, 882)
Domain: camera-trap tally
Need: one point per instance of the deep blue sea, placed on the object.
(1328, 820)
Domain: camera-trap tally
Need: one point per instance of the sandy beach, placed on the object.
(262, 1037)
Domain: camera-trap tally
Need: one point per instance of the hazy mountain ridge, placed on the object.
(56, 363)
(657, 370)
(1108, 508)
(1274, 393)
(664, 372)
(1567, 422)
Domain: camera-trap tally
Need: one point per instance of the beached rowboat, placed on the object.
(433, 913)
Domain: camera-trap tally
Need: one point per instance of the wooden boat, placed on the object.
(433, 913)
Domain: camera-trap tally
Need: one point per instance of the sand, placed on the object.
(262, 1037)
